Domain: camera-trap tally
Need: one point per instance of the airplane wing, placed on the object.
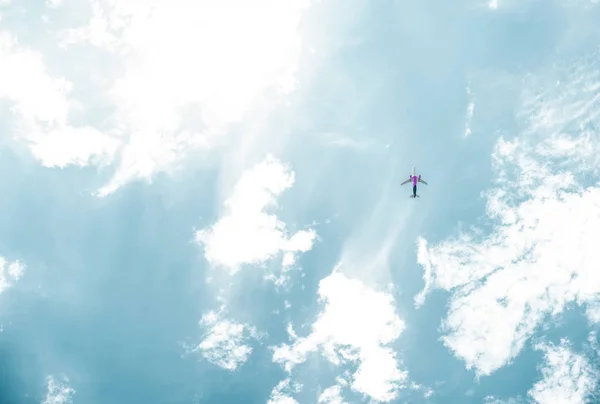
(420, 180)
(405, 182)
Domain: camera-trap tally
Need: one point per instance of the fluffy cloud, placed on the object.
(10, 273)
(356, 326)
(567, 377)
(36, 96)
(190, 69)
(331, 395)
(225, 341)
(281, 393)
(542, 253)
(187, 71)
(58, 391)
(85, 146)
(41, 106)
(246, 233)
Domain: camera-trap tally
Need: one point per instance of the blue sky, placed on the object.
(201, 201)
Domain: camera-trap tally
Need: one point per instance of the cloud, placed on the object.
(331, 395)
(470, 111)
(41, 107)
(85, 146)
(10, 273)
(24, 80)
(54, 3)
(335, 139)
(58, 392)
(593, 313)
(567, 377)
(225, 342)
(494, 400)
(541, 253)
(356, 326)
(190, 70)
(187, 71)
(246, 234)
(367, 251)
(281, 392)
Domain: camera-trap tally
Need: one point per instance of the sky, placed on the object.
(201, 201)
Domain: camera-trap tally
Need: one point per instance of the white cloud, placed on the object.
(356, 325)
(217, 60)
(336, 139)
(494, 400)
(41, 106)
(281, 392)
(24, 80)
(246, 233)
(10, 273)
(282, 399)
(332, 395)
(85, 146)
(54, 3)
(226, 342)
(593, 313)
(542, 253)
(15, 269)
(96, 32)
(58, 392)
(470, 111)
(567, 377)
(428, 392)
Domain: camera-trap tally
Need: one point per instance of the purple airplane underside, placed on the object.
(414, 178)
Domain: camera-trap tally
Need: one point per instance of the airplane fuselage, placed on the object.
(414, 178)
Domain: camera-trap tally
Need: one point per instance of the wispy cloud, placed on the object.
(469, 113)
(54, 3)
(541, 254)
(225, 343)
(343, 141)
(494, 400)
(366, 253)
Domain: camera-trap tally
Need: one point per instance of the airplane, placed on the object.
(414, 178)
